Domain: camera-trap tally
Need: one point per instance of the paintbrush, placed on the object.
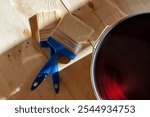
(66, 39)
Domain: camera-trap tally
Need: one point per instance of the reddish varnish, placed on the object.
(112, 86)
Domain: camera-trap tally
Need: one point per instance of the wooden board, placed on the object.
(20, 60)
(100, 13)
(97, 14)
(73, 84)
(132, 6)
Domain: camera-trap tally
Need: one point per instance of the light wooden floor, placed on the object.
(20, 61)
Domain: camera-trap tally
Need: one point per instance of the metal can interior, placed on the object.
(121, 63)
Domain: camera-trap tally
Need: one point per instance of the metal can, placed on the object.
(120, 67)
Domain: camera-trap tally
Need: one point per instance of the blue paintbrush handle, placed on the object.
(55, 78)
(48, 67)
(51, 66)
(62, 50)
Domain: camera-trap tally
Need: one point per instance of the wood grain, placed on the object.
(98, 14)
(73, 85)
(20, 61)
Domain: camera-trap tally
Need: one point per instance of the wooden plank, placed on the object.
(100, 13)
(29, 8)
(97, 14)
(133, 6)
(20, 61)
(77, 78)
(71, 79)
(74, 4)
(12, 29)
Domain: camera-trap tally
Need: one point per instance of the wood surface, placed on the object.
(21, 61)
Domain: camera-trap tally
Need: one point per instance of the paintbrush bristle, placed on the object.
(71, 32)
